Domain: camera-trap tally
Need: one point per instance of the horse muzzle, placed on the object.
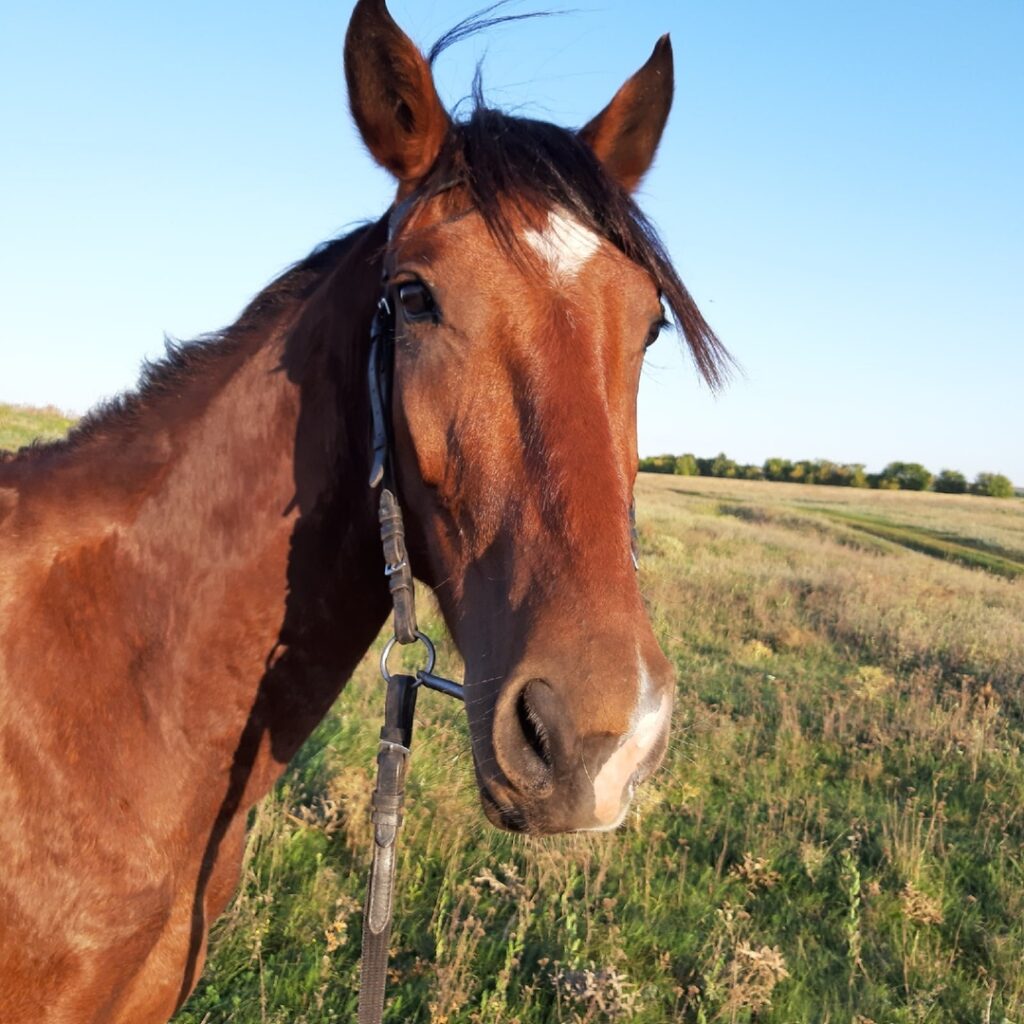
(548, 777)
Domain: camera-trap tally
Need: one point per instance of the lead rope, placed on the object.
(392, 762)
(387, 803)
(393, 755)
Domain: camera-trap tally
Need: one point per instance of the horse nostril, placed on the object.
(532, 726)
(526, 738)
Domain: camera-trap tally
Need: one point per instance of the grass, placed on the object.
(939, 544)
(836, 835)
(21, 424)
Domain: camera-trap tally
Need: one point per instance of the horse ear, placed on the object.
(625, 135)
(392, 95)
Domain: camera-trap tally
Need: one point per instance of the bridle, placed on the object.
(394, 750)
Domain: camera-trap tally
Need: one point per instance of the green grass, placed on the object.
(21, 425)
(836, 834)
(931, 542)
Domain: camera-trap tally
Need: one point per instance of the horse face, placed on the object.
(517, 361)
(515, 428)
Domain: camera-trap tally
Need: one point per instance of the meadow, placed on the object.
(836, 835)
(21, 425)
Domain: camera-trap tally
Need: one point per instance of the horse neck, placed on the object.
(224, 539)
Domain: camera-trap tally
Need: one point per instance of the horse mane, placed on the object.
(185, 361)
(515, 165)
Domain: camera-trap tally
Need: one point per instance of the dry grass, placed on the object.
(761, 564)
(835, 836)
(21, 425)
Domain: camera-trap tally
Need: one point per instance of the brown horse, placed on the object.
(190, 578)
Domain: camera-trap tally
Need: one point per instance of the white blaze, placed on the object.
(615, 774)
(565, 244)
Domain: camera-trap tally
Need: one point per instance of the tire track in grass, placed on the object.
(966, 551)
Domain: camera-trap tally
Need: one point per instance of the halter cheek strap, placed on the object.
(380, 374)
(382, 352)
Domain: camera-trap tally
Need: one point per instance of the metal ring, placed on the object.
(390, 646)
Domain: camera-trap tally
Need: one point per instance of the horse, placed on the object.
(190, 577)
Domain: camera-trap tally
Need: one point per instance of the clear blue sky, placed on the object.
(840, 185)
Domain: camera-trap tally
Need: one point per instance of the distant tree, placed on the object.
(842, 474)
(686, 465)
(992, 485)
(804, 472)
(949, 481)
(830, 473)
(724, 466)
(883, 482)
(777, 469)
(658, 464)
(907, 476)
(837, 474)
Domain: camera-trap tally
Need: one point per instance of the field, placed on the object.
(836, 835)
(20, 425)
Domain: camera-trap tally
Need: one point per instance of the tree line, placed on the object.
(897, 476)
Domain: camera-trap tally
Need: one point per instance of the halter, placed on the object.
(394, 751)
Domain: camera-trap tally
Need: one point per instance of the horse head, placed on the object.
(526, 286)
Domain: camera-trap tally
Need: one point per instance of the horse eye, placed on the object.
(417, 302)
(655, 332)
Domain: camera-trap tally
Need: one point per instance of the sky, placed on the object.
(839, 184)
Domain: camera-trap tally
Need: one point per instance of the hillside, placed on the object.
(20, 425)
